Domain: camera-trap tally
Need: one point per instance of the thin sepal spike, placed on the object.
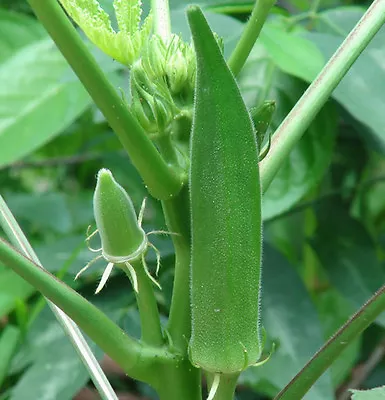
(162, 233)
(266, 359)
(214, 387)
(157, 252)
(148, 272)
(105, 276)
(134, 278)
(141, 212)
(89, 237)
(88, 265)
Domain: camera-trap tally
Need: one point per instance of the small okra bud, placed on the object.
(261, 117)
(162, 112)
(145, 119)
(176, 70)
(226, 224)
(115, 217)
(153, 58)
(123, 239)
(140, 79)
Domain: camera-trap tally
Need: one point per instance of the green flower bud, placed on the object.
(180, 67)
(177, 73)
(154, 58)
(143, 114)
(162, 113)
(115, 217)
(123, 240)
(261, 117)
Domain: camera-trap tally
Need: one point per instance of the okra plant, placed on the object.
(208, 158)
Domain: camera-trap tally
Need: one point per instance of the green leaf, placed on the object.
(17, 31)
(36, 103)
(348, 254)
(291, 321)
(12, 288)
(43, 211)
(54, 370)
(361, 91)
(374, 394)
(9, 341)
(309, 160)
(226, 27)
(211, 3)
(334, 311)
(293, 54)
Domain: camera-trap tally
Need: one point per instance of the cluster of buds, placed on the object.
(162, 83)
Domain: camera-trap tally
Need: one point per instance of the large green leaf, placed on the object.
(17, 31)
(36, 102)
(56, 371)
(362, 90)
(211, 3)
(294, 54)
(310, 158)
(348, 254)
(227, 28)
(12, 289)
(374, 394)
(53, 369)
(291, 321)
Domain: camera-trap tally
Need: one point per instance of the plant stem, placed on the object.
(148, 309)
(300, 117)
(162, 22)
(226, 387)
(185, 382)
(322, 360)
(136, 359)
(249, 35)
(162, 181)
(177, 218)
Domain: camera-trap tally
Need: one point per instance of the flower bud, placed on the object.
(115, 217)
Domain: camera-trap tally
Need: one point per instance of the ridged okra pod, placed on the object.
(225, 216)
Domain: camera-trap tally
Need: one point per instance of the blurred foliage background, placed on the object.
(324, 213)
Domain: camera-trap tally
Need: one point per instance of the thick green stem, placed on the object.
(162, 180)
(162, 22)
(177, 218)
(250, 35)
(224, 385)
(135, 358)
(322, 360)
(184, 382)
(300, 117)
(148, 309)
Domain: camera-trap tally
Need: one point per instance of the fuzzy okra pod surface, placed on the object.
(225, 216)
